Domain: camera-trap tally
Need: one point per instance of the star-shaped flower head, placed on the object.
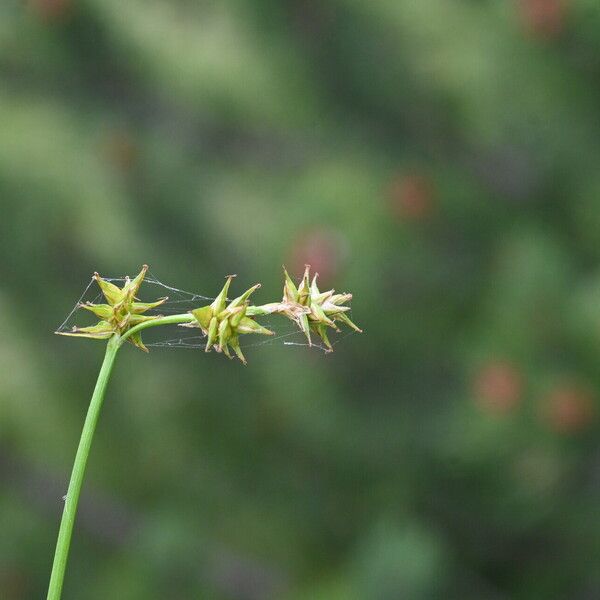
(121, 311)
(312, 309)
(223, 323)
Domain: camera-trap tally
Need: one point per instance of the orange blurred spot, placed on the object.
(411, 197)
(545, 18)
(567, 409)
(323, 249)
(497, 388)
(121, 149)
(50, 10)
(13, 582)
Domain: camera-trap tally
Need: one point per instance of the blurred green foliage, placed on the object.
(439, 159)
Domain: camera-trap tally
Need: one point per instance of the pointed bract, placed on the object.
(235, 344)
(101, 331)
(220, 301)
(132, 287)
(248, 325)
(345, 319)
(136, 340)
(141, 307)
(103, 311)
(203, 316)
(321, 331)
(111, 292)
(290, 291)
(213, 330)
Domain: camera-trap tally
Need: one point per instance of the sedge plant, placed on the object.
(123, 318)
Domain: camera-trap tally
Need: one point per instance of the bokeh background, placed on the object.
(438, 159)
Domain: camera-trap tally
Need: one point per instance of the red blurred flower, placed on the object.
(121, 149)
(323, 249)
(567, 409)
(411, 197)
(545, 18)
(50, 10)
(14, 583)
(497, 387)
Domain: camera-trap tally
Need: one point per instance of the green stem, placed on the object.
(170, 320)
(72, 498)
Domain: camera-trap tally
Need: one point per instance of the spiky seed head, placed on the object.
(121, 311)
(223, 323)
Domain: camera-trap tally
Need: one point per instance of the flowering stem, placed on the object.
(83, 451)
(222, 324)
(72, 498)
